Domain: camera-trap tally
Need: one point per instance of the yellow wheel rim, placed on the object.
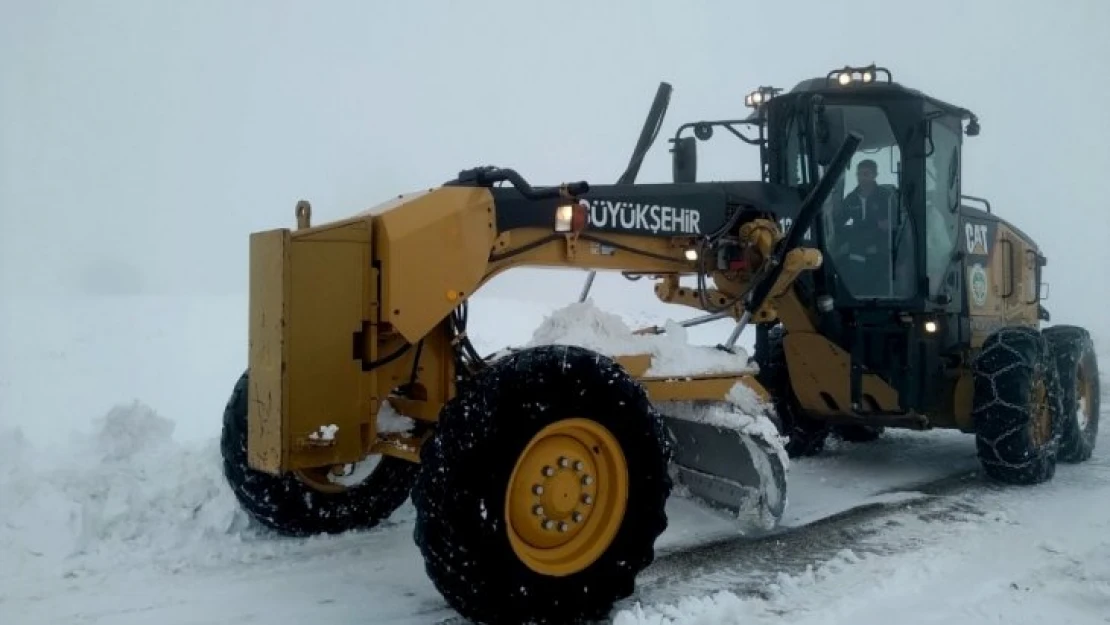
(566, 497)
(1083, 409)
(338, 478)
(1042, 413)
(317, 478)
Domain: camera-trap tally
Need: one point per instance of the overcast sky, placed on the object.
(142, 141)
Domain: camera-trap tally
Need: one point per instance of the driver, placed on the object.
(865, 214)
(863, 222)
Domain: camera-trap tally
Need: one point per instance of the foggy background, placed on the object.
(142, 141)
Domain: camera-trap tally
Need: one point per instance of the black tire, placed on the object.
(293, 508)
(460, 495)
(1077, 366)
(1017, 440)
(858, 433)
(805, 436)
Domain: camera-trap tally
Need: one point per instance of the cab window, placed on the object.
(942, 199)
(869, 235)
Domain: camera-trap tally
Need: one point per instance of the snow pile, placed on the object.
(126, 491)
(129, 493)
(584, 325)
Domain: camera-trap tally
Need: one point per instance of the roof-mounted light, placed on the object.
(866, 75)
(760, 96)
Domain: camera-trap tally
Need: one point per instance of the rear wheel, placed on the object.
(310, 502)
(1077, 366)
(543, 489)
(1016, 407)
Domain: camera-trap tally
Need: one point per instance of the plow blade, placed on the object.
(741, 473)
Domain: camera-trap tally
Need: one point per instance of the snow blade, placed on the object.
(730, 470)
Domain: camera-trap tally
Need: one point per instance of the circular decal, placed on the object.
(978, 280)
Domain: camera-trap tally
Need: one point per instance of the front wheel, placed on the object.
(305, 503)
(543, 489)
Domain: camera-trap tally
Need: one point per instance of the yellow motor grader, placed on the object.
(879, 297)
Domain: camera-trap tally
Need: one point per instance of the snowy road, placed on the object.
(126, 520)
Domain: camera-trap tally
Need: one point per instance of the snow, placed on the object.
(583, 324)
(324, 433)
(1038, 555)
(126, 494)
(113, 507)
(390, 421)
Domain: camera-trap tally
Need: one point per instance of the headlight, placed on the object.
(571, 217)
(760, 96)
(564, 215)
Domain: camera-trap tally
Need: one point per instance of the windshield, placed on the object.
(869, 237)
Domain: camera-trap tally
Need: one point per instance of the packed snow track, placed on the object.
(113, 508)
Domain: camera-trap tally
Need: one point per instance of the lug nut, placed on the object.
(577, 516)
(578, 466)
(587, 499)
(564, 462)
(563, 527)
(548, 471)
(537, 490)
(548, 524)
(538, 510)
(587, 479)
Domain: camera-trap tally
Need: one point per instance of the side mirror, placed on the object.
(831, 133)
(684, 160)
(973, 127)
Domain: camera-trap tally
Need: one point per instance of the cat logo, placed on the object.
(977, 276)
(976, 235)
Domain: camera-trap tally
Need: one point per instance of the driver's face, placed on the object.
(865, 177)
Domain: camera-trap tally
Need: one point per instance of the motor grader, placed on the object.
(540, 474)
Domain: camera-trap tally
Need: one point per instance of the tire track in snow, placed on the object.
(746, 566)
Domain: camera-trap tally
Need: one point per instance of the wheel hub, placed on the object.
(566, 497)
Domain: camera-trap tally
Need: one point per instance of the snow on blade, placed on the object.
(392, 422)
(584, 325)
(743, 411)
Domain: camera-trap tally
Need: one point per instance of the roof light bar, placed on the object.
(852, 75)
